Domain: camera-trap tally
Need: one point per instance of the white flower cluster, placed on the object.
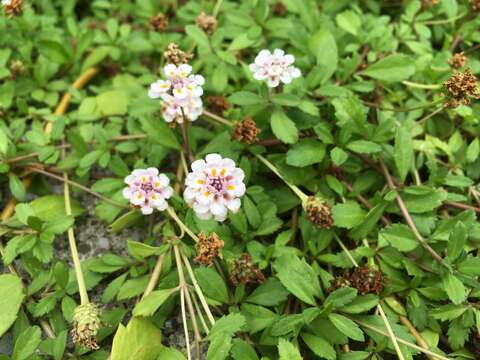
(148, 190)
(6, 2)
(180, 93)
(214, 186)
(274, 68)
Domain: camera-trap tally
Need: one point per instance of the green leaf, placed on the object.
(170, 354)
(364, 146)
(54, 51)
(288, 351)
(298, 277)
(113, 102)
(245, 98)
(391, 68)
(3, 142)
(420, 199)
(227, 325)
(283, 128)
(7, 91)
(454, 288)
(159, 132)
(140, 339)
(456, 241)
(346, 326)
(197, 35)
(399, 236)
(141, 250)
(149, 305)
(241, 350)
(212, 284)
(473, 151)
(403, 154)
(16, 187)
(10, 301)
(95, 57)
(323, 45)
(271, 293)
(349, 21)
(50, 207)
(348, 215)
(219, 348)
(319, 346)
(27, 343)
(306, 152)
(341, 297)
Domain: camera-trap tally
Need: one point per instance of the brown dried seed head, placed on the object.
(458, 61)
(279, 8)
(15, 7)
(208, 248)
(218, 104)
(86, 323)
(426, 3)
(460, 88)
(367, 280)
(174, 55)
(245, 272)
(159, 22)
(246, 131)
(339, 282)
(475, 4)
(207, 23)
(319, 212)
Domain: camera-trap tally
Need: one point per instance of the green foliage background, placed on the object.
(363, 127)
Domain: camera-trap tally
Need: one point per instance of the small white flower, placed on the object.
(274, 68)
(148, 190)
(213, 187)
(181, 91)
(6, 2)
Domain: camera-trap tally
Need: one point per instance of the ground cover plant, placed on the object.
(278, 179)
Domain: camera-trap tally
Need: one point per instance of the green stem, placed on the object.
(443, 21)
(421, 86)
(303, 197)
(180, 223)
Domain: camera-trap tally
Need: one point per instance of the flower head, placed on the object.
(180, 93)
(319, 212)
(174, 55)
(458, 60)
(214, 186)
(148, 190)
(159, 22)
(208, 248)
(460, 88)
(12, 7)
(274, 67)
(207, 23)
(246, 131)
(86, 324)
(244, 271)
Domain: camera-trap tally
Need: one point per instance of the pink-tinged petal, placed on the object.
(234, 205)
(152, 171)
(254, 67)
(218, 209)
(161, 205)
(286, 78)
(146, 210)
(213, 159)
(170, 71)
(127, 193)
(220, 218)
(198, 165)
(260, 75)
(204, 216)
(137, 198)
(189, 195)
(273, 82)
(167, 192)
(289, 59)
(228, 163)
(164, 180)
(129, 179)
(152, 94)
(239, 190)
(278, 52)
(294, 72)
(184, 70)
